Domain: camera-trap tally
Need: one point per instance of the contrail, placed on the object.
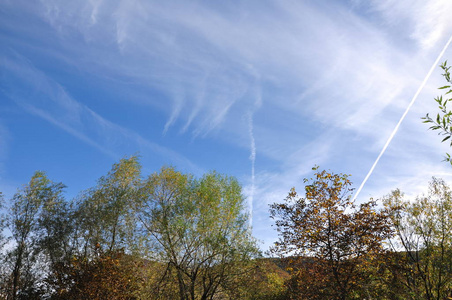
(402, 118)
(256, 106)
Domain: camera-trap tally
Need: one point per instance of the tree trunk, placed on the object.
(16, 271)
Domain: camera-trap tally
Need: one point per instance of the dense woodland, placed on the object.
(171, 235)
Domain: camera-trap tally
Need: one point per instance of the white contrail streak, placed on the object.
(403, 117)
(256, 106)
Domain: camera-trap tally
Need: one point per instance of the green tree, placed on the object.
(197, 227)
(331, 240)
(423, 228)
(28, 206)
(168, 236)
(105, 214)
(55, 241)
(100, 226)
(443, 119)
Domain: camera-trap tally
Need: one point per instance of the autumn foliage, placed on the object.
(331, 239)
(167, 236)
(107, 276)
(174, 236)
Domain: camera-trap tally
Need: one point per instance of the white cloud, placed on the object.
(426, 21)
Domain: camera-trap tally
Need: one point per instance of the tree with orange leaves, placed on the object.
(331, 239)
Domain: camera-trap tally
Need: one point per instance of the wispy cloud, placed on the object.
(45, 98)
(166, 46)
(290, 84)
(427, 22)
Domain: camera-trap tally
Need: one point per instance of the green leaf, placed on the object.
(444, 87)
(446, 138)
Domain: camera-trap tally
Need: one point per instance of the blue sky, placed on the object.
(261, 90)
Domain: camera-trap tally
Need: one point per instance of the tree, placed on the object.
(423, 228)
(330, 238)
(105, 213)
(197, 228)
(28, 206)
(56, 243)
(443, 120)
(168, 236)
(98, 238)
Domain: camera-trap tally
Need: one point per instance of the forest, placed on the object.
(171, 235)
